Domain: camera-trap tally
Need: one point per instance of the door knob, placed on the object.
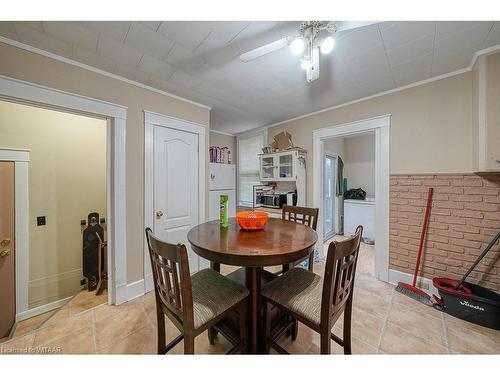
(4, 253)
(5, 242)
(159, 214)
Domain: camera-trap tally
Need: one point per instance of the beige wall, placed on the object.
(27, 66)
(359, 163)
(67, 180)
(431, 127)
(222, 140)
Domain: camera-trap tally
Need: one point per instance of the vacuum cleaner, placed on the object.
(469, 301)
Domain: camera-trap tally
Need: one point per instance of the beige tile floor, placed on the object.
(384, 321)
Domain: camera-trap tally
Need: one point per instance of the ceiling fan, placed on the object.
(313, 37)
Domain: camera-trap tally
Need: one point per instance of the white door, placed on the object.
(176, 187)
(329, 191)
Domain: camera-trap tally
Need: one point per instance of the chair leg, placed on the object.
(212, 334)
(295, 329)
(160, 322)
(311, 262)
(242, 312)
(347, 326)
(325, 342)
(188, 343)
(267, 328)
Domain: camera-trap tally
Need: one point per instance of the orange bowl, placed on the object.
(251, 220)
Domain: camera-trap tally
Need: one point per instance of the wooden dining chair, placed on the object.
(304, 215)
(194, 303)
(316, 301)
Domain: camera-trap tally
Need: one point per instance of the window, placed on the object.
(249, 148)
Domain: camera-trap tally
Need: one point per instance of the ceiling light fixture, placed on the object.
(327, 45)
(297, 46)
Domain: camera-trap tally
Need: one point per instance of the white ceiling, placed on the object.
(199, 61)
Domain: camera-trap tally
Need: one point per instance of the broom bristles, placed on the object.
(420, 297)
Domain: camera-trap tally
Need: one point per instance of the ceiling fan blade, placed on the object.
(349, 25)
(264, 50)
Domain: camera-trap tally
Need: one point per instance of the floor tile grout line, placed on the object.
(445, 329)
(382, 332)
(94, 330)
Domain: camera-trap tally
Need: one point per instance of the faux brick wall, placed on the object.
(465, 216)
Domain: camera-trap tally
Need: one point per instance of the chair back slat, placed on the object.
(171, 276)
(340, 271)
(304, 215)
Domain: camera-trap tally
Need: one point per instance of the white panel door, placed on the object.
(176, 187)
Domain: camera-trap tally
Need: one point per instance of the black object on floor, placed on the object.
(469, 301)
(91, 250)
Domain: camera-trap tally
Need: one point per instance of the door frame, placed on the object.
(151, 120)
(24, 92)
(21, 158)
(381, 126)
(335, 156)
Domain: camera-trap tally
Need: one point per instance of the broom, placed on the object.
(411, 290)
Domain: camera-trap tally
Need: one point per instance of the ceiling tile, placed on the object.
(157, 67)
(116, 30)
(8, 29)
(35, 38)
(227, 30)
(131, 73)
(188, 33)
(179, 78)
(182, 58)
(494, 36)
(445, 28)
(72, 32)
(357, 41)
(410, 51)
(162, 84)
(93, 59)
(416, 70)
(153, 25)
(145, 40)
(117, 51)
(397, 34)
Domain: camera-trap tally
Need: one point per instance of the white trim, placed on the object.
(221, 133)
(486, 51)
(423, 283)
(152, 119)
(21, 159)
(115, 173)
(135, 289)
(381, 126)
(13, 154)
(33, 92)
(66, 60)
(41, 309)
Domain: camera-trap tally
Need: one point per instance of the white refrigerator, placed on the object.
(221, 181)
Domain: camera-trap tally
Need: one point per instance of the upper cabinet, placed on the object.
(486, 114)
(282, 166)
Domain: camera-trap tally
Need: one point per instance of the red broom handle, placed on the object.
(424, 231)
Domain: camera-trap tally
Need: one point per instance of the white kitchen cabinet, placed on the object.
(282, 166)
(486, 114)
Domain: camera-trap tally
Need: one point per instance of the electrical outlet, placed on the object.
(40, 220)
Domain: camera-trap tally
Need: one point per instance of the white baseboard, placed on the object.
(121, 294)
(135, 289)
(149, 285)
(423, 283)
(41, 309)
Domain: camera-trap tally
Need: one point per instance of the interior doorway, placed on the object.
(331, 188)
(66, 203)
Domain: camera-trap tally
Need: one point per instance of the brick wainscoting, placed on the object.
(465, 216)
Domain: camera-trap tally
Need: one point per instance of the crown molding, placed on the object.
(486, 51)
(221, 133)
(93, 69)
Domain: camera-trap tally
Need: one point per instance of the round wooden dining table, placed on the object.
(280, 242)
